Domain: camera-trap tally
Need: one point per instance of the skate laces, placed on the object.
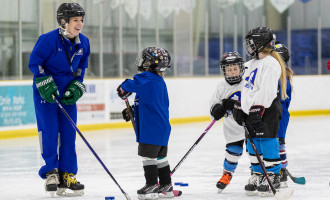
(52, 179)
(70, 178)
(225, 179)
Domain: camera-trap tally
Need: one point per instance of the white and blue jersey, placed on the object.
(151, 109)
(56, 134)
(234, 133)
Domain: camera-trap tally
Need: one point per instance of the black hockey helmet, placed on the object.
(67, 10)
(258, 39)
(232, 58)
(159, 58)
(283, 51)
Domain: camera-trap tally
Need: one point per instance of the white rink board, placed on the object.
(189, 97)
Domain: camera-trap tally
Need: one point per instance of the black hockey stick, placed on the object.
(175, 192)
(298, 180)
(89, 146)
(193, 146)
(130, 114)
(278, 195)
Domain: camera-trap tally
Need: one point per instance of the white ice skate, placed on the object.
(52, 180)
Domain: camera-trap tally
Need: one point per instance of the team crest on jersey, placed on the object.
(235, 96)
(251, 79)
(80, 52)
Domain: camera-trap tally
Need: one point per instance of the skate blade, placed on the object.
(284, 184)
(166, 195)
(220, 191)
(74, 193)
(283, 195)
(251, 193)
(52, 193)
(148, 196)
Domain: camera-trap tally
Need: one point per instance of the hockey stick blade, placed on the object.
(284, 195)
(298, 180)
(177, 193)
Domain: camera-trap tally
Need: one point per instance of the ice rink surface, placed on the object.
(308, 152)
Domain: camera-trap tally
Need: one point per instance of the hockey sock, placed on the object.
(164, 171)
(284, 161)
(150, 170)
(233, 154)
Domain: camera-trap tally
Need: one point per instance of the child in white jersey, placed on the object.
(261, 109)
(222, 101)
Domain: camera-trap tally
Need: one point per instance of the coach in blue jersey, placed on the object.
(58, 62)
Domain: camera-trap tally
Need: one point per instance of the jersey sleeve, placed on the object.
(40, 53)
(134, 85)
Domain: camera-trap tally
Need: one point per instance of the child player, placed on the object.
(151, 113)
(284, 52)
(228, 90)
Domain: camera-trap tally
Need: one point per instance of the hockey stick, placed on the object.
(278, 195)
(193, 146)
(130, 114)
(298, 180)
(175, 192)
(89, 146)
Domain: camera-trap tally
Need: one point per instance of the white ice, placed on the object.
(307, 147)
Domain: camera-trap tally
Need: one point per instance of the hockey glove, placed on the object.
(254, 119)
(126, 114)
(73, 92)
(228, 104)
(123, 94)
(218, 111)
(238, 113)
(47, 87)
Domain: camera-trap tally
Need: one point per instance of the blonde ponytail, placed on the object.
(283, 77)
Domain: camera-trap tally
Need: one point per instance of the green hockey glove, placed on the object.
(47, 87)
(74, 91)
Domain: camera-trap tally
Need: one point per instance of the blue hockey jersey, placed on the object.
(151, 110)
(285, 114)
(48, 57)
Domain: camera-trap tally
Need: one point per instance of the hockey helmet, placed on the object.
(283, 51)
(232, 58)
(67, 10)
(258, 39)
(159, 59)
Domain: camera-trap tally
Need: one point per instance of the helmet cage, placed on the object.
(233, 79)
(230, 59)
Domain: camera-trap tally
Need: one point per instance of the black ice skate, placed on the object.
(52, 180)
(68, 181)
(264, 189)
(283, 178)
(224, 181)
(253, 183)
(148, 192)
(166, 191)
